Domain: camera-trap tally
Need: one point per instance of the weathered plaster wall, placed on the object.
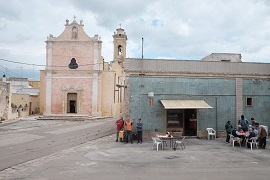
(22, 103)
(113, 96)
(217, 92)
(259, 90)
(4, 99)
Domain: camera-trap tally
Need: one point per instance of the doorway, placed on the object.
(72, 106)
(30, 108)
(190, 122)
(72, 103)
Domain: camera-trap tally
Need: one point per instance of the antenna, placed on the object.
(142, 72)
(142, 56)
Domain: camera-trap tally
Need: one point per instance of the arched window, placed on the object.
(119, 50)
(73, 64)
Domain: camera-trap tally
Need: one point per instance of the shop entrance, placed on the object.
(182, 115)
(190, 122)
(182, 120)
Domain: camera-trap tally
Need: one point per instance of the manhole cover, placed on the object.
(171, 157)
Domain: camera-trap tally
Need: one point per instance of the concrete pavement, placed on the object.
(106, 159)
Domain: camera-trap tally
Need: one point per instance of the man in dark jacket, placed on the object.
(228, 128)
(243, 122)
(139, 130)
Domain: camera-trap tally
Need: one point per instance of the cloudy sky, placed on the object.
(172, 29)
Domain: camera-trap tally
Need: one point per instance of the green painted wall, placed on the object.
(217, 92)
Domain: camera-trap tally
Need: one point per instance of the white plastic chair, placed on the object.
(235, 139)
(181, 143)
(157, 142)
(252, 142)
(210, 132)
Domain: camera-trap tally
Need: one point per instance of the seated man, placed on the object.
(255, 131)
(251, 135)
(237, 132)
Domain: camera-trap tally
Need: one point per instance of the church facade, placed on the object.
(73, 81)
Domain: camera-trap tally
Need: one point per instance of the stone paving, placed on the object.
(106, 159)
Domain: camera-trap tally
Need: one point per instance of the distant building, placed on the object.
(18, 98)
(5, 96)
(226, 57)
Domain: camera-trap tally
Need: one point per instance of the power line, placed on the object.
(42, 65)
(57, 55)
(9, 71)
(20, 62)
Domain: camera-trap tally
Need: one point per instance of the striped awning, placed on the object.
(185, 104)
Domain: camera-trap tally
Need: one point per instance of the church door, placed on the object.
(72, 103)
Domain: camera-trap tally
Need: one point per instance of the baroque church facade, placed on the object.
(76, 80)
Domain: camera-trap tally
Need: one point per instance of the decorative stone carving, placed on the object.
(50, 37)
(74, 32)
(71, 89)
(96, 36)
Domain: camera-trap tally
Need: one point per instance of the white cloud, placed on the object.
(186, 29)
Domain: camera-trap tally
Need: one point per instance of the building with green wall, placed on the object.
(227, 87)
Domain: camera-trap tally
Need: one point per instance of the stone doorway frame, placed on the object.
(71, 90)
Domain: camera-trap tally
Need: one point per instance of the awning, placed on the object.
(185, 104)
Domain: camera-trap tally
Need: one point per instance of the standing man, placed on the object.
(253, 121)
(119, 126)
(261, 135)
(244, 123)
(139, 130)
(228, 128)
(128, 125)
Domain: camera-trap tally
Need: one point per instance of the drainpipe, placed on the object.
(216, 118)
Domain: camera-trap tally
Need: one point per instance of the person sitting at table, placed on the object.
(238, 132)
(251, 135)
(255, 131)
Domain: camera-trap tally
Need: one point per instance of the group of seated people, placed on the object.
(245, 136)
(247, 132)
